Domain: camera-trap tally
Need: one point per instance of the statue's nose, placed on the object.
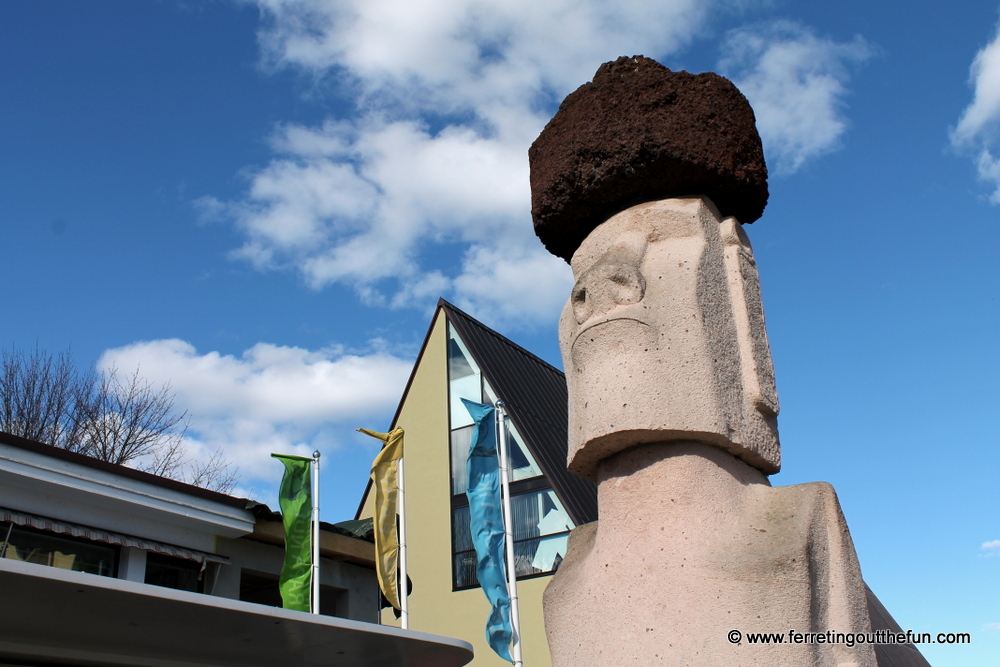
(615, 280)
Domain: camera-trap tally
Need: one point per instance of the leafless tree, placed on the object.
(39, 394)
(217, 473)
(127, 421)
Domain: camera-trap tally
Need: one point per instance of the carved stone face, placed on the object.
(663, 338)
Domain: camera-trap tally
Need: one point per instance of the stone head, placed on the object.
(663, 337)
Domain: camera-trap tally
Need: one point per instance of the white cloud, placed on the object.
(796, 84)
(504, 284)
(473, 55)
(270, 399)
(450, 95)
(432, 161)
(993, 546)
(978, 129)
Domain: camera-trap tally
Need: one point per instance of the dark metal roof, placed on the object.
(891, 655)
(535, 395)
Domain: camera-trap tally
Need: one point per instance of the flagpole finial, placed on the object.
(316, 454)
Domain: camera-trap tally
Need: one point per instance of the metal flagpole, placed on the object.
(508, 527)
(315, 532)
(402, 586)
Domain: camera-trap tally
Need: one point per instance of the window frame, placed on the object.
(535, 483)
(167, 562)
(519, 488)
(14, 528)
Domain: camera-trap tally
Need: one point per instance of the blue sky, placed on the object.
(261, 204)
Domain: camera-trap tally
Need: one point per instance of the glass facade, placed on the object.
(522, 463)
(466, 381)
(541, 528)
(541, 524)
(42, 547)
(54, 550)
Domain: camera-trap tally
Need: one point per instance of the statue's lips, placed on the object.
(613, 336)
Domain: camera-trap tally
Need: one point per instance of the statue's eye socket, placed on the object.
(582, 308)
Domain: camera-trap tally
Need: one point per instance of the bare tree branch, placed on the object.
(38, 395)
(126, 421)
(217, 474)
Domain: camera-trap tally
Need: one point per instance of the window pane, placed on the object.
(489, 396)
(538, 556)
(261, 588)
(465, 557)
(460, 533)
(170, 572)
(460, 362)
(525, 511)
(543, 554)
(541, 529)
(461, 441)
(464, 380)
(465, 569)
(522, 463)
(538, 513)
(61, 552)
(469, 387)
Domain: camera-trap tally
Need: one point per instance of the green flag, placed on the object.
(295, 499)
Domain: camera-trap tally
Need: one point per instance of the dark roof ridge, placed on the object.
(534, 357)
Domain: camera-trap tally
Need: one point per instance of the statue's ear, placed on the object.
(748, 311)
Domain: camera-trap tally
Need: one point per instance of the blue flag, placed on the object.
(486, 521)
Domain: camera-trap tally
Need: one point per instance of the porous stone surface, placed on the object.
(693, 544)
(663, 338)
(640, 132)
(673, 413)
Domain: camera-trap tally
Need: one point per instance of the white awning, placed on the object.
(97, 535)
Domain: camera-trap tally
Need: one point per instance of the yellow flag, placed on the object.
(384, 470)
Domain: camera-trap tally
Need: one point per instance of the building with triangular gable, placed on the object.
(462, 358)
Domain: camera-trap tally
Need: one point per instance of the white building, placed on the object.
(102, 564)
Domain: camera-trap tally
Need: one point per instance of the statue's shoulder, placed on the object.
(813, 504)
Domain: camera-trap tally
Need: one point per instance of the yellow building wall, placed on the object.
(433, 606)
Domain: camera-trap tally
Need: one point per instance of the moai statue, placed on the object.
(643, 181)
